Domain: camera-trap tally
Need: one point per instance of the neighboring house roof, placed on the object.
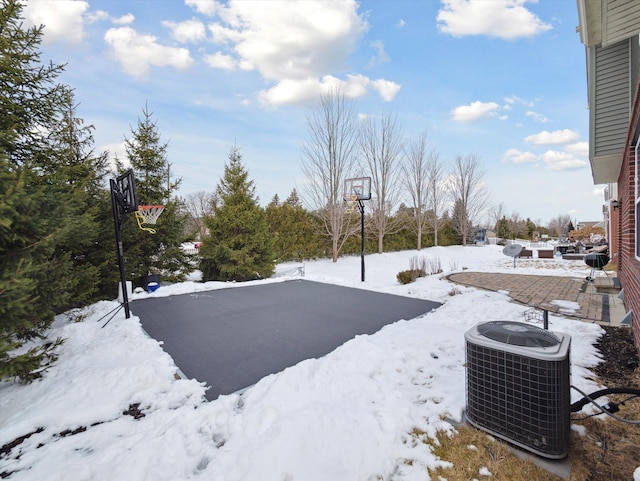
(597, 223)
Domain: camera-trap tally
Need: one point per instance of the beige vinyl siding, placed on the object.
(611, 98)
(622, 20)
(635, 60)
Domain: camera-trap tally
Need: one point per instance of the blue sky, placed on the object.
(502, 79)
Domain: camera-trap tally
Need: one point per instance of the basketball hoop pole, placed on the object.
(119, 217)
(361, 209)
(358, 190)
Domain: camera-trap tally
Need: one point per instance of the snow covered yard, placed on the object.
(350, 415)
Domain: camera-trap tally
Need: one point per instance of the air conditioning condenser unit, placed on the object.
(518, 385)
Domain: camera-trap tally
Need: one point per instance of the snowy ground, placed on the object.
(347, 416)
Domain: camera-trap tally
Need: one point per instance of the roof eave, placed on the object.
(605, 169)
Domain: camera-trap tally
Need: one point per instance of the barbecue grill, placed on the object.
(597, 261)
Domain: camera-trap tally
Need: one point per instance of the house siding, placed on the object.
(610, 103)
(634, 50)
(622, 20)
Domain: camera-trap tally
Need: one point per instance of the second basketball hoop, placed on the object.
(358, 188)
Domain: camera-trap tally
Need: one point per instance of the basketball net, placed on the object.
(351, 204)
(148, 214)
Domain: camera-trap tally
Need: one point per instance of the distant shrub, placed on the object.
(405, 277)
(419, 267)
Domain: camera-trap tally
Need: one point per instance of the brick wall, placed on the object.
(628, 265)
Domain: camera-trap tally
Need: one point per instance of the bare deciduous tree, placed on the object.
(381, 146)
(198, 205)
(468, 191)
(423, 180)
(496, 212)
(329, 158)
(436, 193)
(560, 225)
(416, 181)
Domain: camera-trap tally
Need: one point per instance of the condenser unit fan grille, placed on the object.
(519, 398)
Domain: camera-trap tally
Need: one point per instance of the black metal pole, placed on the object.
(361, 206)
(545, 319)
(118, 222)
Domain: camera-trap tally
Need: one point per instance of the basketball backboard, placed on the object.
(358, 188)
(127, 191)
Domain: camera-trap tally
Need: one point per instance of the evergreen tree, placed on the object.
(239, 245)
(275, 201)
(293, 230)
(460, 220)
(158, 253)
(294, 199)
(42, 198)
(447, 233)
(87, 237)
(502, 228)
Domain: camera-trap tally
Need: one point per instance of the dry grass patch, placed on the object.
(475, 454)
(609, 449)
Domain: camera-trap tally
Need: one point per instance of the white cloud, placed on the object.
(125, 19)
(297, 46)
(556, 160)
(289, 91)
(579, 148)
(221, 61)
(386, 88)
(537, 117)
(354, 87)
(507, 19)
(223, 35)
(62, 19)
(117, 150)
(205, 7)
(401, 23)
(598, 191)
(513, 100)
(97, 16)
(136, 53)
(475, 111)
(518, 157)
(557, 137)
(101, 15)
(294, 39)
(380, 56)
(188, 31)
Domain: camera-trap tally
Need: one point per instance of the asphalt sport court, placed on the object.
(231, 338)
